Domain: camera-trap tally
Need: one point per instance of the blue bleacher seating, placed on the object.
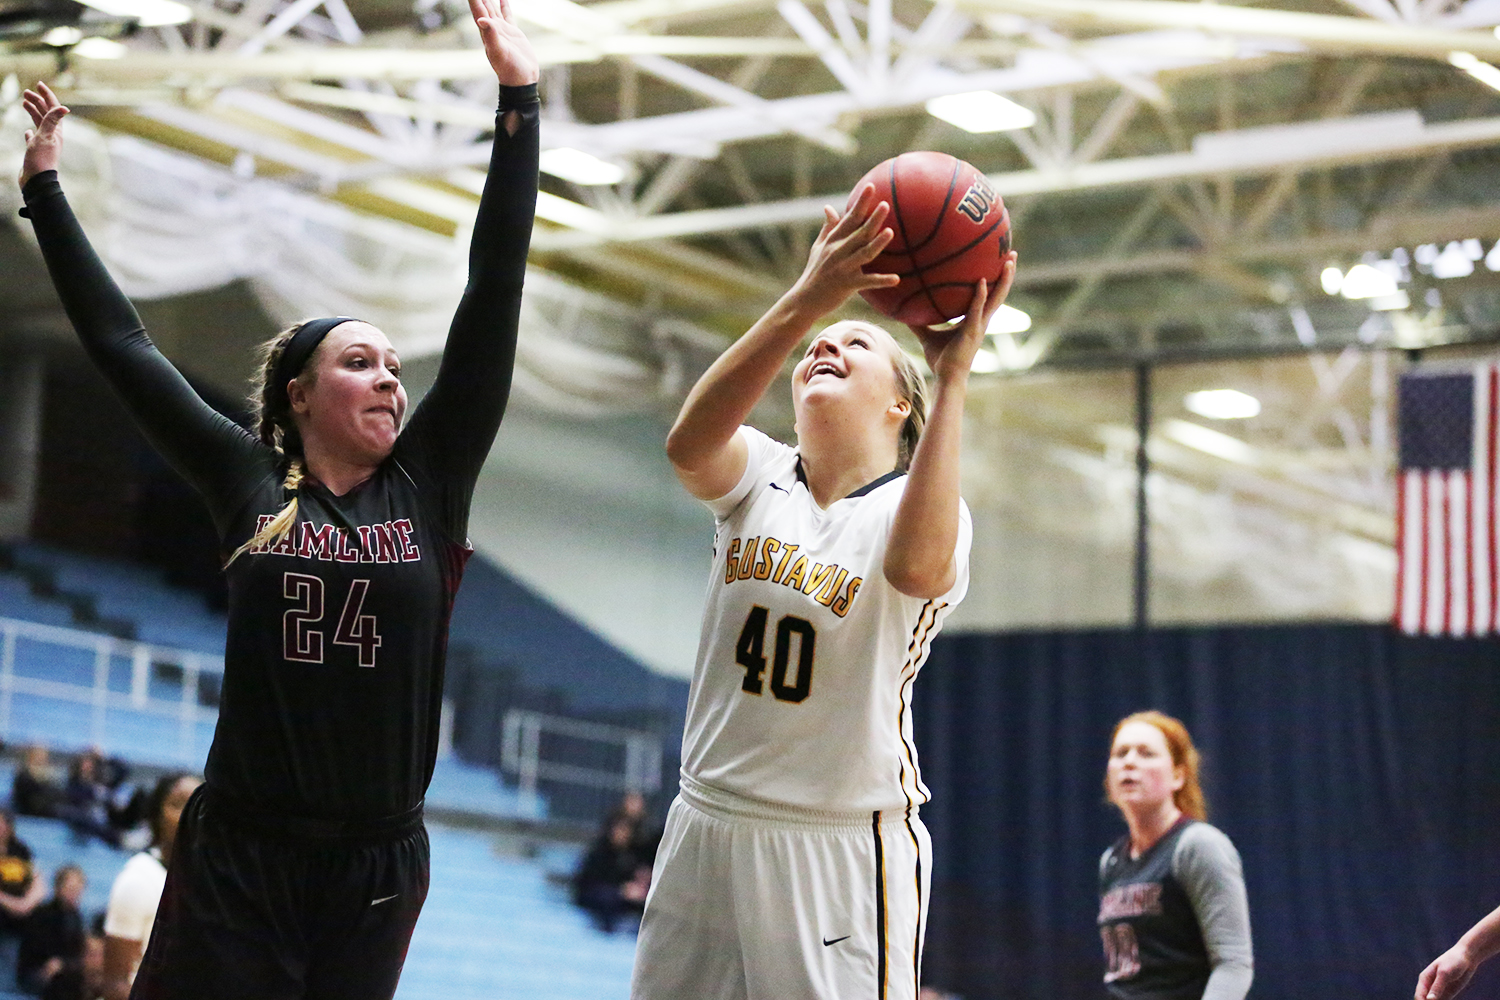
(495, 924)
(162, 614)
(17, 601)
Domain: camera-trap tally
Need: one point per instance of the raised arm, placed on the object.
(207, 448)
(457, 420)
(704, 449)
(919, 555)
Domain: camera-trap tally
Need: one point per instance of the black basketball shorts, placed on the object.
(256, 908)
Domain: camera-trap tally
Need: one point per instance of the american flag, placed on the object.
(1448, 565)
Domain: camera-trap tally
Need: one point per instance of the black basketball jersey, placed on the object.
(333, 667)
(1153, 945)
(337, 636)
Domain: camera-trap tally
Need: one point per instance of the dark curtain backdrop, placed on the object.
(1357, 771)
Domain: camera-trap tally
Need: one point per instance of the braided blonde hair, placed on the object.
(275, 427)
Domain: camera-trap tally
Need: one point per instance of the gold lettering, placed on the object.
(825, 598)
(794, 578)
(787, 551)
(818, 577)
(732, 562)
(748, 559)
(841, 606)
(768, 550)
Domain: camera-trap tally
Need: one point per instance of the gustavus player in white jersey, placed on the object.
(793, 864)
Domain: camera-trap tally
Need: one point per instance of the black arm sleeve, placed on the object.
(216, 455)
(455, 424)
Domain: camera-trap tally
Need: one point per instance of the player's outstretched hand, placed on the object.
(505, 44)
(950, 353)
(1448, 974)
(44, 139)
(846, 243)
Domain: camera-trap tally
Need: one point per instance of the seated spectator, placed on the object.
(86, 801)
(613, 880)
(33, 793)
(20, 892)
(83, 981)
(53, 942)
(645, 836)
(20, 889)
(137, 889)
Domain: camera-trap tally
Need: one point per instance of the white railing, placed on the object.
(521, 755)
(183, 707)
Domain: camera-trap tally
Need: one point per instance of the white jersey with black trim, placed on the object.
(802, 690)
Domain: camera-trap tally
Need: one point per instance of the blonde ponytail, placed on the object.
(285, 520)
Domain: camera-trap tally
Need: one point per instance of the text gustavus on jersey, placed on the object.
(772, 559)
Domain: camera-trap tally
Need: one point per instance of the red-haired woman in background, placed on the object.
(1172, 906)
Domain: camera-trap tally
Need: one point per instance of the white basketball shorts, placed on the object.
(753, 901)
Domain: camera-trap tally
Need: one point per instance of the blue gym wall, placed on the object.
(1354, 768)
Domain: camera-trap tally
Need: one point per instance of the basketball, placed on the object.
(951, 230)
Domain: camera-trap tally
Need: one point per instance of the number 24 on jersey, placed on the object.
(303, 643)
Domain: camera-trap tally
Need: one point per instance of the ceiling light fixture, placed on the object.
(1332, 279)
(1476, 67)
(981, 111)
(1454, 262)
(99, 48)
(62, 36)
(147, 13)
(1222, 404)
(579, 167)
(1211, 442)
(1008, 319)
(985, 362)
(1492, 261)
(1365, 282)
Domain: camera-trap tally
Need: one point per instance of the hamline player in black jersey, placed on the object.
(302, 863)
(1172, 908)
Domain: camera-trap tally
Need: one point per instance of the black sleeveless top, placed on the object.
(1153, 946)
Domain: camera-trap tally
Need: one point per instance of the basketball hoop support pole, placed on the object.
(1142, 519)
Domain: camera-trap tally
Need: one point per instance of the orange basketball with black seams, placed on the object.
(951, 230)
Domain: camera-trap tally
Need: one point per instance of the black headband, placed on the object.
(294, 356)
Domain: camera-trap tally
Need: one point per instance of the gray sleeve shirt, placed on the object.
(1208, 867)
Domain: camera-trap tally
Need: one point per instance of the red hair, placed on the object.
(1188, 798)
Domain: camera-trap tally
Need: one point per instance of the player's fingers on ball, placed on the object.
(830, 220)
(860, 208)
(875, 220)
(878, 280)
(977, 300)
(993, 305)
(875, 246)
(1007, 276)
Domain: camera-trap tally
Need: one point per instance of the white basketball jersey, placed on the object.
(802, 690)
